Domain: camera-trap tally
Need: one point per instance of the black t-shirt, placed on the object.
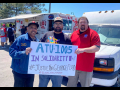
(52, 37)
(23, 30)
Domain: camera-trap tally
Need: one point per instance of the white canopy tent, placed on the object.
(23, 16)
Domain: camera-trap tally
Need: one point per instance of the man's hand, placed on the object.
(79, 50)
(28, 50)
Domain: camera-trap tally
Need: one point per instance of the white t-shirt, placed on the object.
(12, 29)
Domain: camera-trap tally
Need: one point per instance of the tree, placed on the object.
(34, 7)
(5, 11)
(11, 9)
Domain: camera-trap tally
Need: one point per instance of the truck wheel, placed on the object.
(117, 84)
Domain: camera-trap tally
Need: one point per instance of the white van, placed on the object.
(107, 60)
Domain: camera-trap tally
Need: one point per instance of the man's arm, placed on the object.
(91, 49)
(13, 30)
(5, 30)
(15, 50)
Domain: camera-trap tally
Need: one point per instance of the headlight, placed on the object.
(103, 62)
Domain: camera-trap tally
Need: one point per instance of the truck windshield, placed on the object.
(109, 34)
(67, 24)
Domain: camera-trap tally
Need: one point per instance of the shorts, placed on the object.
(3, 39)
(11, 38)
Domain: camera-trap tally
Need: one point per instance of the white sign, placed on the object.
(52, 59)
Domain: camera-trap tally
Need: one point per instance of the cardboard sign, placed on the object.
(52, 59)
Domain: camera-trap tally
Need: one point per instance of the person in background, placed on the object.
(23, 30)
(3, 35)
(15, 31)
(19, 51)
(10, 32)
(7, 36)
(26, 29)
(88, 43)
(57, 37)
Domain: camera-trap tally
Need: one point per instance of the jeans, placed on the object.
(23, 80)
(44, 80)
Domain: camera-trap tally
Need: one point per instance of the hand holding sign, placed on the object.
(79, 50)
(52, 59)
(28, 50)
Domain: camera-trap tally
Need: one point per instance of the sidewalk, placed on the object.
(6, 76)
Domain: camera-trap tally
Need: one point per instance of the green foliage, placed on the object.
(11, 9)
(7, 24)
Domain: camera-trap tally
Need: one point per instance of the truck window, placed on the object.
(94, 27)
(109, 34)
(67, 24)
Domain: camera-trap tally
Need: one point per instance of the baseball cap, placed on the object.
(3, 25)
(33, 22)
(58, 19)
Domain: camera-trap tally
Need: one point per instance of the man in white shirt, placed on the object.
(10, 32)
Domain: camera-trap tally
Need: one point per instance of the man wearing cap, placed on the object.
(56, 37)
(19, 51)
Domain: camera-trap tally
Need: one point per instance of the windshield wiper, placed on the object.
(104, 43)
(110, 44)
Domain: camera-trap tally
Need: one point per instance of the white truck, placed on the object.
(45, 21)
(107, 60)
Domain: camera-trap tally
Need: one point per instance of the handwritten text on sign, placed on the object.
(52, 59)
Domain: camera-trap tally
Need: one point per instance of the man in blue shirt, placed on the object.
(19, 51)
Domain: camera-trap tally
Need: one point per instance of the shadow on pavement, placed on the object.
(65, 81)
(6, 49)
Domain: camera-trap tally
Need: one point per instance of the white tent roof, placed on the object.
(23, 16)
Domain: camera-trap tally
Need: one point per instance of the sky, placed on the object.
(79, 8)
